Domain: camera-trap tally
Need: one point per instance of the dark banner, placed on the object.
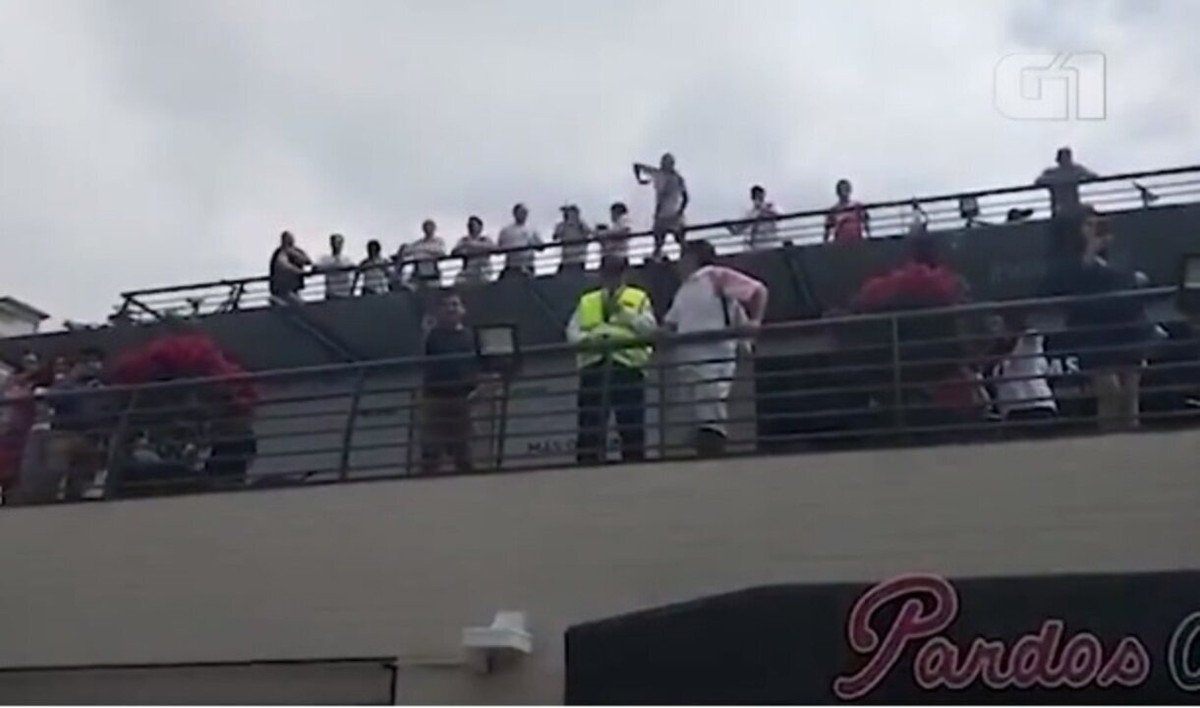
(914, 639)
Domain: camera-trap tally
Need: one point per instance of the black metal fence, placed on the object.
(901, 378)
(888, 219)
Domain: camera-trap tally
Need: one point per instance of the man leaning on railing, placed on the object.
(289, 263)
(712, 298)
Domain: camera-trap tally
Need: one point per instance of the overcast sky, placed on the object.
(146, 142)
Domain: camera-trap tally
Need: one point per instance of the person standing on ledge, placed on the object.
(611, 376)
(1063, 181)
(670, 200)
(1066, 212)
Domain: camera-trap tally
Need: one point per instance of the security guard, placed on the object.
(611, 376)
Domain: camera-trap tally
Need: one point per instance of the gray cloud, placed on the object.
(145, 143)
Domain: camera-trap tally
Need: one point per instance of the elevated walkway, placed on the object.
(1000, 260)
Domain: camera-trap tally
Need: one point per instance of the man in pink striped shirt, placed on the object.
(712, 298)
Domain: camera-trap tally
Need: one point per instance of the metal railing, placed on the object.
(942, 212)
(900, 378)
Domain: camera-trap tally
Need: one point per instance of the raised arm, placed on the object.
(642, 172)
(750, 292)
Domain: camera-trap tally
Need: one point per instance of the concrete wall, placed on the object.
(398, 568)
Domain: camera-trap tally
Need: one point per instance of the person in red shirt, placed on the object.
(848, 220)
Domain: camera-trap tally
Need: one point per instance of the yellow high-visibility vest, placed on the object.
(590, 315)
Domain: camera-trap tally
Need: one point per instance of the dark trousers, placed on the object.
(621, 391)
(445, 432)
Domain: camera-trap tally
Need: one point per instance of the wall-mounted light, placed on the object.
(497, 348)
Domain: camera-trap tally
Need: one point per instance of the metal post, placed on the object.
(351, 419)
(132, 300)
(413, 414)
(605, 406)
(502, 424)
(661, 367)
(114, 466)
(897, 383)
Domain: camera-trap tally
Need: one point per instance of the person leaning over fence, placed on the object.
(710, 299)
(451, 376)
(612, 376)
(1019, 374)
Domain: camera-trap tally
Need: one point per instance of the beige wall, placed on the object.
(398, 568)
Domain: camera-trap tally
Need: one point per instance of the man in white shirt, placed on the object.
(1021, 373)
(338, 270)
(476, 251)
(424, 254)
(519, 235)
(761, 222)
(1063, 181)
(711, 298)
(574, 235)
(670, 200)
(615, 243)
(374, 271)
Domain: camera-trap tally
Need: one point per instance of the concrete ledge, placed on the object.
(399, 568)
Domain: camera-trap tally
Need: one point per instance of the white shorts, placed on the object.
(703, 399)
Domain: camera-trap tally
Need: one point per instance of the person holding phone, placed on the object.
(670, 200)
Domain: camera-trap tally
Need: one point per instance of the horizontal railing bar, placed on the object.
(977, 194)
(676, 339)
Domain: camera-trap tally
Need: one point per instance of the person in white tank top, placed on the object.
(1020, 377)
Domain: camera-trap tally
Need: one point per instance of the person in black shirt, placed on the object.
(1111, 334)
(288, 264)
(451, 375)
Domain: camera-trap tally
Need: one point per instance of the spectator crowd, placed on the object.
(420, 262)
(937, 369)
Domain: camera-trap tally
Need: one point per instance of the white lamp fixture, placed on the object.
(496, 346)
(498, 644)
